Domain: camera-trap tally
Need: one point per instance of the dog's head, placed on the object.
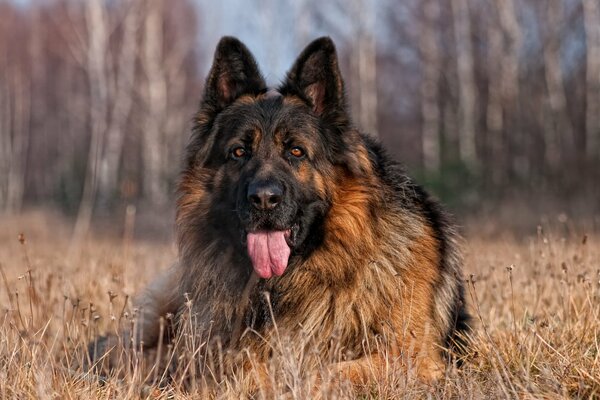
(261, 163)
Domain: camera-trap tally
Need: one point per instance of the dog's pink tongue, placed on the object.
(269, 252)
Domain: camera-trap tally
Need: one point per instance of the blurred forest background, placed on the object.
(488, 102)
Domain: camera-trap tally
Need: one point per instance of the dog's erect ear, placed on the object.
(316, 77)
(234, 73)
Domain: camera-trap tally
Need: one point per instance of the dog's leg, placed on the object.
(158, 299)
(413, 350)
(376, 367)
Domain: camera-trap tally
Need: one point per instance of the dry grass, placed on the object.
(536, 302)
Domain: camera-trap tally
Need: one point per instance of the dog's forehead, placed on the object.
(274, 112)
(267, 117)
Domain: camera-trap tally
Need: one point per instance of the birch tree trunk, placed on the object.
(430, 111)
(558, 136)
(155, 95)
(513, 42)
(5, 140)
(98, 107)
(591, 17)
(123, 84)
(510, 83)
(494, 111)
(20, 141)
(15, 122)
(367, 67)
(466, 81)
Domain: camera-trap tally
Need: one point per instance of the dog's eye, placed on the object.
(238, 152)
(297, 152)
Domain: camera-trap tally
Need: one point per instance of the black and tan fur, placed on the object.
(375, 259)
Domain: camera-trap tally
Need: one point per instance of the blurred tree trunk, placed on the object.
(20, 140)
(494, 112)
(430, 111)
(98, 107)
(466, 82)
(155, 96)
(121, 79)
(15, 118)
(362, 83)
(559, 134)
(179, 86)
(510, 84)
(591, 17)
(367, 66)
(6, 140)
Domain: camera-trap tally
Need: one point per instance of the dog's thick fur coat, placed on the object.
(374, 271)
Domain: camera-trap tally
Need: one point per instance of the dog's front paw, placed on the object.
(105, 355)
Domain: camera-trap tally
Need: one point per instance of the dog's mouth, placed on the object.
(269, 250)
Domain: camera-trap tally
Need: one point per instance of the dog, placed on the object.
(292, 223)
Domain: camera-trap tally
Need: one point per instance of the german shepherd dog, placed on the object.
(291, 223)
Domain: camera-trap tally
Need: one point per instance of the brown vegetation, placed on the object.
(536, 300)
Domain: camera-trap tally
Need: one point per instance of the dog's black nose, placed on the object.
(265, 195)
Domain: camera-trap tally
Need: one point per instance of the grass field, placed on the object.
(535, 299)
